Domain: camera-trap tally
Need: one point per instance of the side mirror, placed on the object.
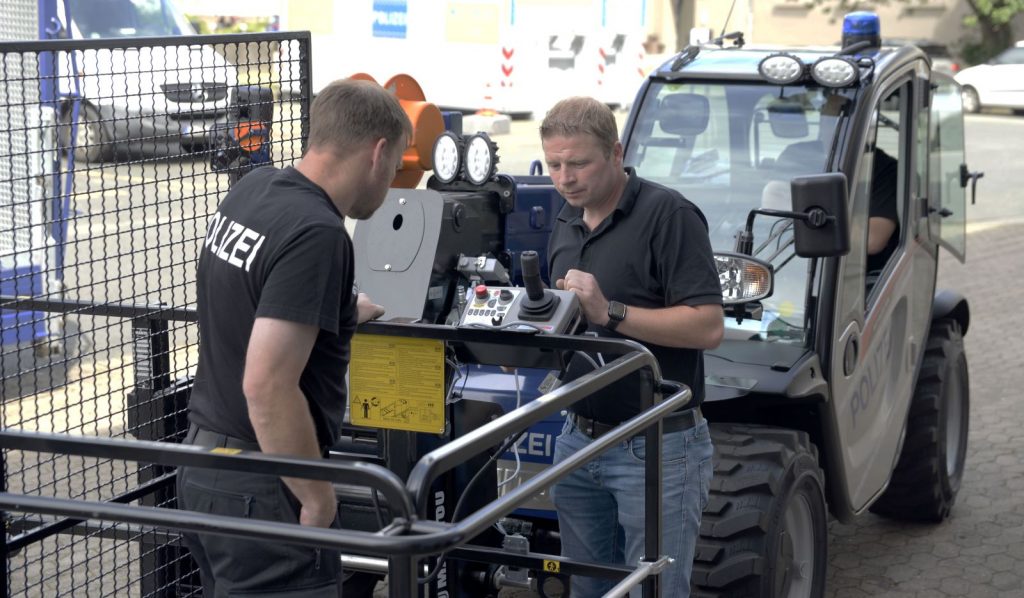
(823, 198)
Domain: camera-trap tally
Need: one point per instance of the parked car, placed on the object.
(998, 82)
(140, 101)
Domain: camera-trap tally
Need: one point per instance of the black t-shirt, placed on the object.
(277, 248)
(884, 194)
(653, 251)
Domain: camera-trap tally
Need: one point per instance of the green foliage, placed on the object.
(199, 25)
(204, 25)
(996, 12)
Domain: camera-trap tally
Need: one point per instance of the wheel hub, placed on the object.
(795, 554)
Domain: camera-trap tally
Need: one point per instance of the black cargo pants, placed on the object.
(236, 567)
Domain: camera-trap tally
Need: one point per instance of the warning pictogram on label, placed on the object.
(552, 566)
(397, 383)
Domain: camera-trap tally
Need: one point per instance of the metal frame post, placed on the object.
(157, 418)
(652, 492)
(4, 579)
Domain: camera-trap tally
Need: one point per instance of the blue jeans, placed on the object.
(601, 505)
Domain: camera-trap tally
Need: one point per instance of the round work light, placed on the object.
(447, 155)
(481, 158)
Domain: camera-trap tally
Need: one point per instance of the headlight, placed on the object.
(835, 71)
(744, 279)
(447, 155)
(481, 159)
(781, 69)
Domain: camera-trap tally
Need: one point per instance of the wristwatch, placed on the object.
(616, 314)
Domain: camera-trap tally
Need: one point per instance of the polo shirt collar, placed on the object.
(571, 215)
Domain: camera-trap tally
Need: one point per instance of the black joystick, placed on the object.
(539, 303)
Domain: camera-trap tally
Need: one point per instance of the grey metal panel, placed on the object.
(395, 256)
(20, 218)
(20, 20)
(21, 205)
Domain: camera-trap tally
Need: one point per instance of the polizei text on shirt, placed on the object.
(232, 242)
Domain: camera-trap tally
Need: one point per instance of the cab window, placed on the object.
(880, 197)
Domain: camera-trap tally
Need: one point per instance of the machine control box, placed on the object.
(529, 310)
(506, 308)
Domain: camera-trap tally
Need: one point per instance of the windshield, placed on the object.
(730, 148)
(128, 18)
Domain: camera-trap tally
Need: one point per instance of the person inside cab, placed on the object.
(883, 217)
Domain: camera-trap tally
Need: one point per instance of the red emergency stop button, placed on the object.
(481, 291)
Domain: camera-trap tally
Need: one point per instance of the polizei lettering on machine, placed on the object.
(232, 242)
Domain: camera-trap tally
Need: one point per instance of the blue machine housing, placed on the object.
(22, 327)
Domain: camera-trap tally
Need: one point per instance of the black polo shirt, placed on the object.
(653, 251)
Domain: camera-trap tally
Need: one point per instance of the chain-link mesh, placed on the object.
(116, 154)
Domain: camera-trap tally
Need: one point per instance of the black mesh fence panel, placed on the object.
(115, 154)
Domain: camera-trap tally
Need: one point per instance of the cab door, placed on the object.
(948, 176)
(884, 290)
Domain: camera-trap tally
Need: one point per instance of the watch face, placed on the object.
(616, 310)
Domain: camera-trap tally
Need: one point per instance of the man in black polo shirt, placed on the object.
(276, 314)
(638, 257)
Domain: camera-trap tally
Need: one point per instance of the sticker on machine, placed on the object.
(397, 383)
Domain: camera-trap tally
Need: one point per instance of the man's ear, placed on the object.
(617, 152)
(380, 150)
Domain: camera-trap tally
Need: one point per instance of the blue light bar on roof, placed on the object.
(862, 26)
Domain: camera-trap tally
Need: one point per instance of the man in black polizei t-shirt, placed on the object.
(276, 314)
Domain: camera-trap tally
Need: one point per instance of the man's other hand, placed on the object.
(368, 310)
(320, 507)
(592, 300)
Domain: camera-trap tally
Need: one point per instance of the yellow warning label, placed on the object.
(552, 566)
(397, 383)
(223, 450)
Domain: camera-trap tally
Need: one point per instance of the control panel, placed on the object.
(489, 306)
(507, 308)
(531, 309)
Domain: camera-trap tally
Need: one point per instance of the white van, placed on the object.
(510, 56)
(152, 100)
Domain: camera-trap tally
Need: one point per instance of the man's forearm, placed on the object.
(681, 326)
(284, 426)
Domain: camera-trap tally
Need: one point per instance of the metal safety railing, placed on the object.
(115, 153)
(410, 535)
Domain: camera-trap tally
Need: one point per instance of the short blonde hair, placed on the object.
(578, 116)
(349, 112)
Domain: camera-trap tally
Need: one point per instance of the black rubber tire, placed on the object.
(765, 512)
(94, 145)
(927, 477)
(971, 101)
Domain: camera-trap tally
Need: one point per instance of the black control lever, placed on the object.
(539, 303)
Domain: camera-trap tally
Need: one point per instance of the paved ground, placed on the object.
(979, 551)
